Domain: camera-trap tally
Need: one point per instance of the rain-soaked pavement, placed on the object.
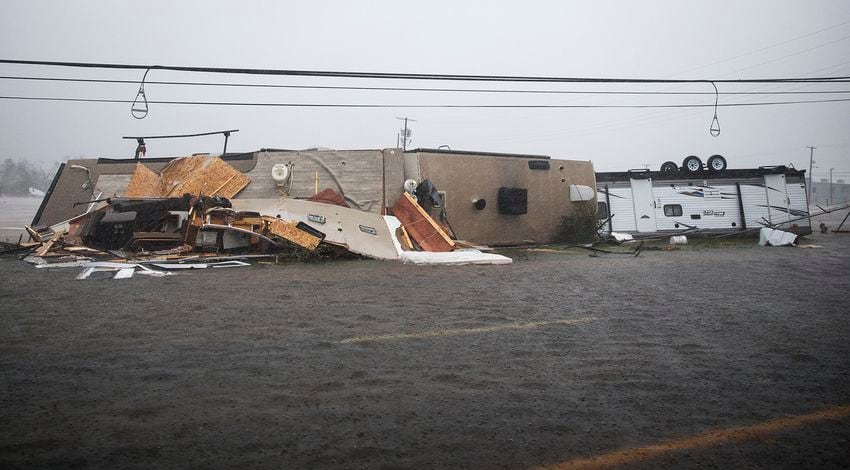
(712, 356)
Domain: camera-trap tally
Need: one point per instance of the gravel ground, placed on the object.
(273, 366)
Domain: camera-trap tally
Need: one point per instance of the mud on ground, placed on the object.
(365, 364)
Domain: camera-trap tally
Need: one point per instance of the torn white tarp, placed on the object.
(456, 257)
(773, 237)
(124, 273)
(622, 237)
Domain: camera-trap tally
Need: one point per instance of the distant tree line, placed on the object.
(17, 176)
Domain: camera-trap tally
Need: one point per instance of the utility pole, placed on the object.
(811, 181)
(405, 133)
(830, 186)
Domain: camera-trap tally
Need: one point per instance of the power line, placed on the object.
(791, 55)
(771, 46)
(459, 106)
(374, 88)
(411, 76)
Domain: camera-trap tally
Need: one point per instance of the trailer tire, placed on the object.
(669, 167)
(692, 164)
(716, 163)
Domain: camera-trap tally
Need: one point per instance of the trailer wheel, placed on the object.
(716, 163)
(692, 164)
(669, 167)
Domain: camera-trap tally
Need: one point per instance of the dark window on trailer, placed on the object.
(601, 210)
(673, 210)
(512, 201)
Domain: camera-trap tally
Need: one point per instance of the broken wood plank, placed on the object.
(250, 221)
(45, 247)
(32, 233)
(404, 238)
(420, 226)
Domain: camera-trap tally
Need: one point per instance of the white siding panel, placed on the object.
(755, 204)
(716, 206)
(622, 208)
(797, 197)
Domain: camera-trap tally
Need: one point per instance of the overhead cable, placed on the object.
(410, 76)
(417, 89)
(422, 106)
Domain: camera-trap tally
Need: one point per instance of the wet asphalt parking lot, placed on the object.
(729, 356)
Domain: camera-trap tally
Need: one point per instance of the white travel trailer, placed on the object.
(647, 202)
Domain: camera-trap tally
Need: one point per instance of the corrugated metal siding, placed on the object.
(777, 198)
(755, 204)
(621, 207)
(797, 197)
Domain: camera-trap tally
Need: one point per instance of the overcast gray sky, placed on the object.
(652, 39)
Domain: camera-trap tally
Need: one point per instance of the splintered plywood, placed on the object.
(420, 226)
(210, 176)
(289, 231)
(200, 174)
(144, 183)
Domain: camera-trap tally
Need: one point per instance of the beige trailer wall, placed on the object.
(357, 174)
(465, 178)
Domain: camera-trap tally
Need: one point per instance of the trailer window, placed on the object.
(601, 210)
(673, 210)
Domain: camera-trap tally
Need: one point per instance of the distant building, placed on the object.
(820, 192)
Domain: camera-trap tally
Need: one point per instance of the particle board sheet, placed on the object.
(420, 226)
(195, 175)
(289, 231)
(144, 183)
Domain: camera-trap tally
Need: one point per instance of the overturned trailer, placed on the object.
(644, 202)
(479, 197)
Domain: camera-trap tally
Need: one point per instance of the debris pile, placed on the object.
(151, 227)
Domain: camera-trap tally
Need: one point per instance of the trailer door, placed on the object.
(777, 199)
(644, 203)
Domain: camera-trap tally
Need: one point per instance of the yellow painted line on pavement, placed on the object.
(466, 331)
(701, 440)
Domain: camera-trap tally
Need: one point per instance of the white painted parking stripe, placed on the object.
(466, 331)
(702, 440)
